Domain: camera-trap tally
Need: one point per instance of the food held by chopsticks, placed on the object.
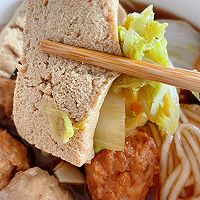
(137, 43)
(140, 69)
(51, 88)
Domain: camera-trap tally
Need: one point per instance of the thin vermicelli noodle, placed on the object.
(194, 165)
(191, 114)
(183, 117)
(185, 172)
(176, 159)
(164, 157)
(157, 137)
(190, 181)
(170, 162)
(180, 162)
(165, 188)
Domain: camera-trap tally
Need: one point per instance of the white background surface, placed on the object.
(189, 9)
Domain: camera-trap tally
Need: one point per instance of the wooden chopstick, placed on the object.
(182, 78)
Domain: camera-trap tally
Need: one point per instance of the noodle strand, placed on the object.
(180, 161)
(165, 190)
(194, 166)
(185, 172)
(164, 157)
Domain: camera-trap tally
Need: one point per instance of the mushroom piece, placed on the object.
(67, 173)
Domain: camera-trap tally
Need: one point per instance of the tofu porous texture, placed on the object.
(75, 88)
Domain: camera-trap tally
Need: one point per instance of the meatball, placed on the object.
(124, 175)
(13, 157)
(6, 97)
(34, 184)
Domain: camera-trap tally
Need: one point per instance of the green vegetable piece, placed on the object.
(143, 38)
(98, 149)
(59, 122)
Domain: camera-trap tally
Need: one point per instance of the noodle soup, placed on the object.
(179, 153)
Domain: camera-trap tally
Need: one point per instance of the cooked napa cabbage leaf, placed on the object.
(133, 121)
(59, 122)
(148, 100)
(140, 35)
(143, 38)
(110, 132)
(161, 105)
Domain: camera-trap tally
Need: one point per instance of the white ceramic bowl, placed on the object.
(188, 9)
(7, 8)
